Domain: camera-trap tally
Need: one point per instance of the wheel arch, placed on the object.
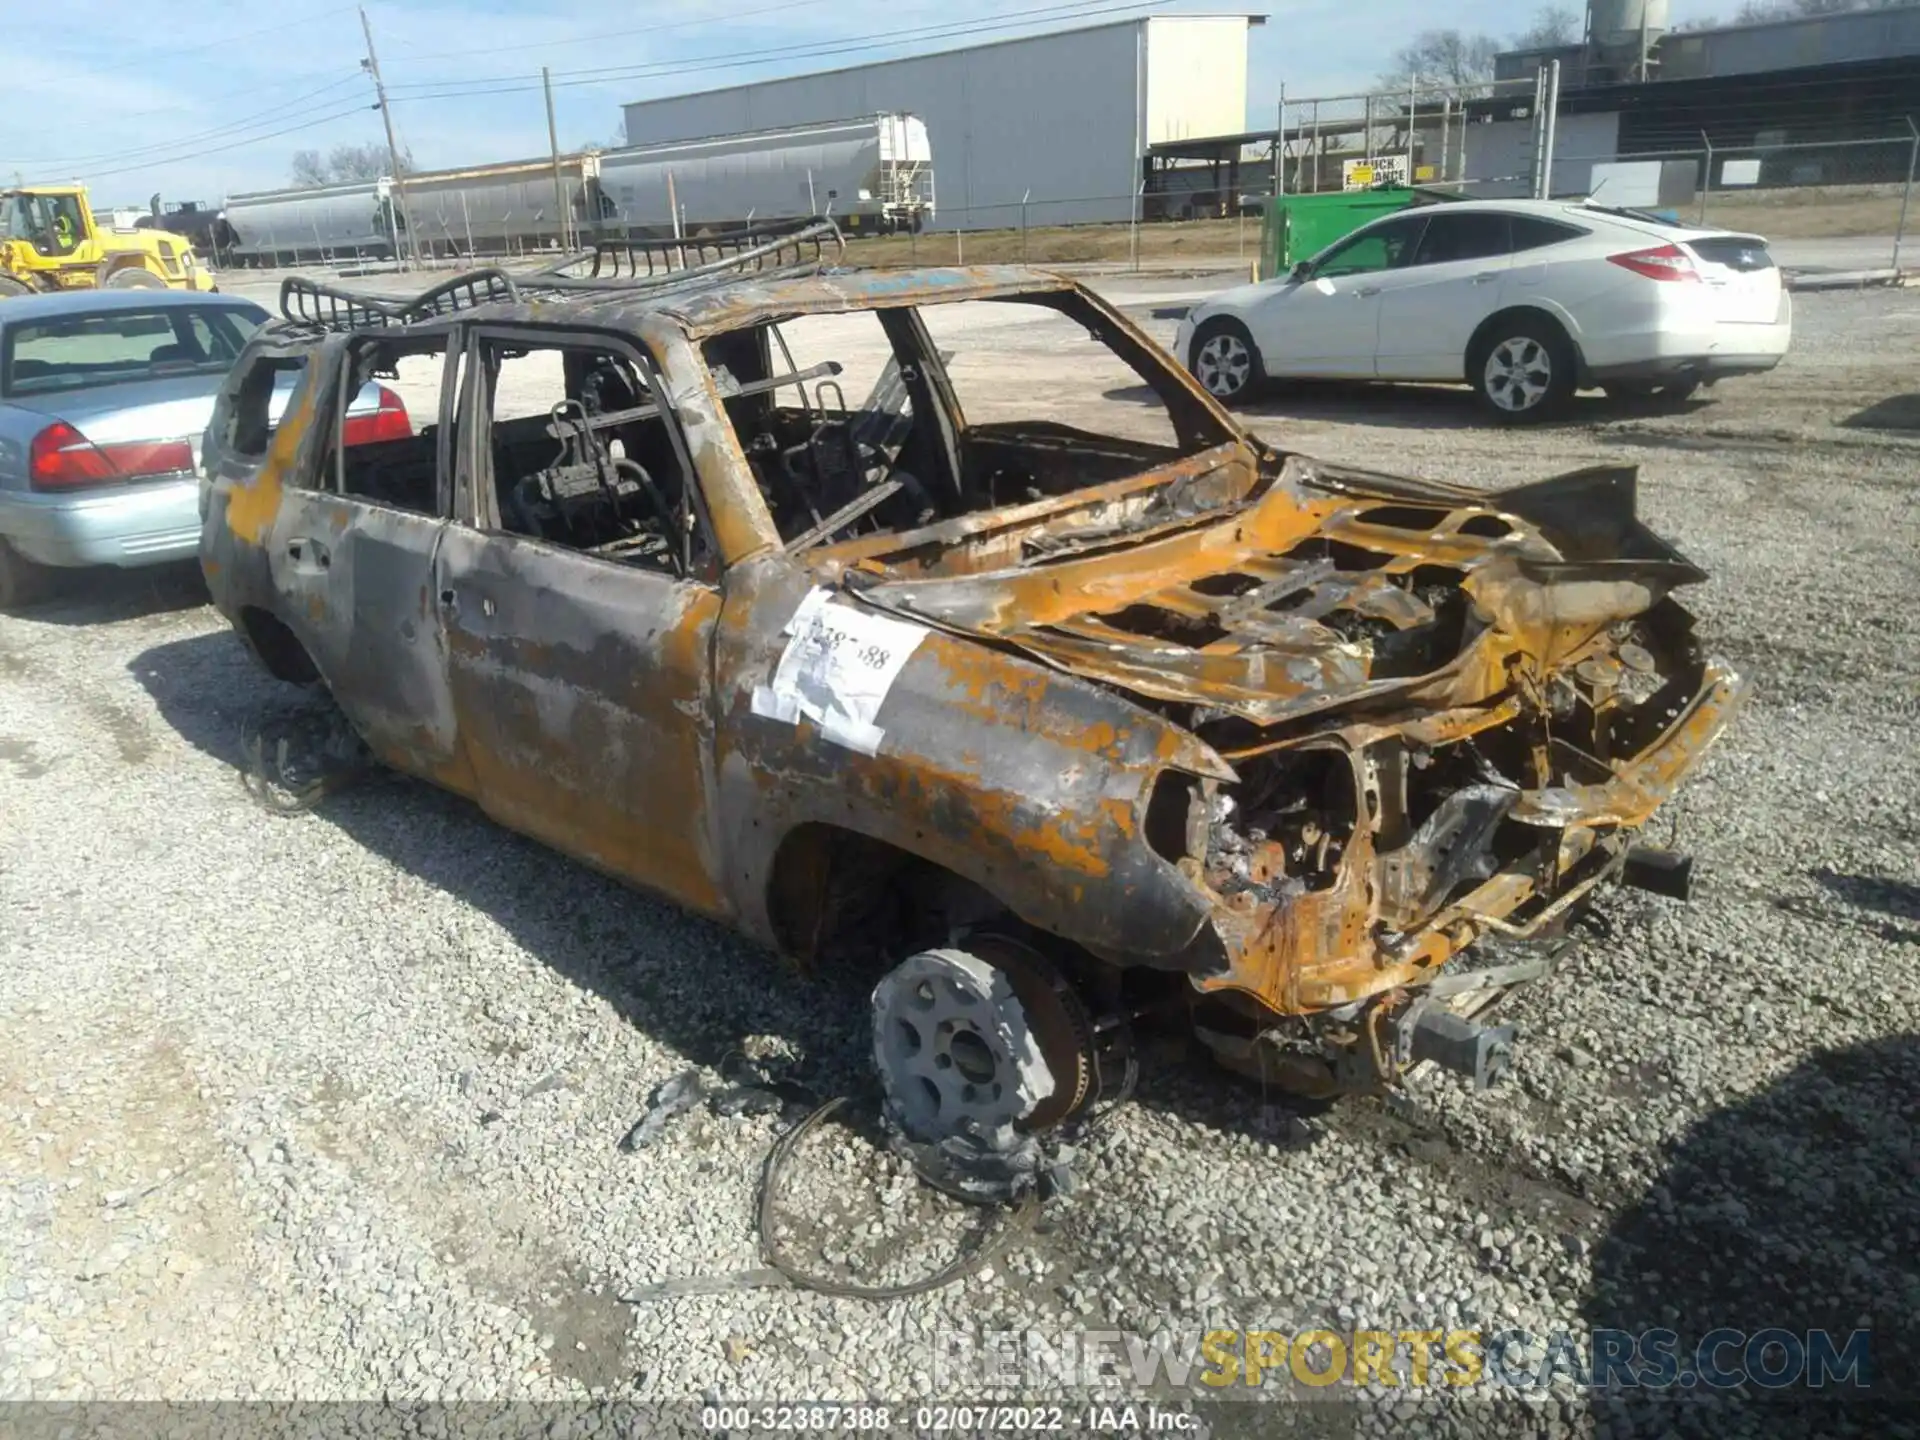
(1507, 314)
(114, 263)
(828, 880)
(276, 646)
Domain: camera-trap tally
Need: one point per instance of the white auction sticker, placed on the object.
(838, 666)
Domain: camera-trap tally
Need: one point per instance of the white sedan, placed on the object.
(1525, 300)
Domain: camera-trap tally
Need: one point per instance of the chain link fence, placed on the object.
(1860, 189)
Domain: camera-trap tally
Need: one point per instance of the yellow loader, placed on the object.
(49, 241)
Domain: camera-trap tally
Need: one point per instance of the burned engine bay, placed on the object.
(1439, 717)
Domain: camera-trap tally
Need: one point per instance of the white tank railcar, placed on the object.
(872, 173)
(312, 223)
(501, 209)
(869, 174)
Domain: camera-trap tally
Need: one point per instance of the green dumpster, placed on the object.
(1298, 226)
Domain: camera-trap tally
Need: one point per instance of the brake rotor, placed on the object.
(1060, 1024)
(980, 1048)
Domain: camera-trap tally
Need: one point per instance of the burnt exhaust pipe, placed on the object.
(1480, 1053)
(1660, 872)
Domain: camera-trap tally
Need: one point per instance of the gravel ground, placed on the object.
(330, 1107)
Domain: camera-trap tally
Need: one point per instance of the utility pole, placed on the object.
(553, 145)
(1279, 149)
(403, 222)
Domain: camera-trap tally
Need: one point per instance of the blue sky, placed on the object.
(226, 77)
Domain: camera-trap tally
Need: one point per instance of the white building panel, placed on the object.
(1062, 118)
(1196, 76)
(1498, 158)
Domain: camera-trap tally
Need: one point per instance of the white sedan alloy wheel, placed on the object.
(1519, 373)
(1223, 364)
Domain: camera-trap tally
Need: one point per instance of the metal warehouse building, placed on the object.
(1063, 118)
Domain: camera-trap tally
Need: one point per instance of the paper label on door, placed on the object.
(838, 666)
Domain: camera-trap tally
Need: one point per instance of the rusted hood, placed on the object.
(1327, 591)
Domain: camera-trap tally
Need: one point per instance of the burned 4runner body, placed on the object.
(1074, 726)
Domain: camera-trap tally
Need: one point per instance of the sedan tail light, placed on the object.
(1662, 262)
(389, 422)
(61, 458)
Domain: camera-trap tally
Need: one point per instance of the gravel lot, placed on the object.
(329, 1107)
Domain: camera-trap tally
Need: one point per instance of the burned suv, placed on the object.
(939, 616)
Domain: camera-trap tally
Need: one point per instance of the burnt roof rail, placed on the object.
(796, 247)
(611, 267)
(333, 307)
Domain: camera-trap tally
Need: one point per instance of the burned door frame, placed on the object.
(582, 683)
(355, 576)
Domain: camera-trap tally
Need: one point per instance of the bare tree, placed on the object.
(346, 164)
(1443, 57)
(308, 168)
(362, 162)
(1554, 25)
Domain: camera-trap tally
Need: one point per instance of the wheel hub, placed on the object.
(1519, 373)
(1223, 364)
(978, 1050)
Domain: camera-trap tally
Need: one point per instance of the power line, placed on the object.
(146, 56)
(600, 35)
(1067, 9)
(223, 97)
(240, 144)
(504, 84)
(285, 110)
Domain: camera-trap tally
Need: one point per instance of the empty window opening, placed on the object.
(583, 455)
(260, 399)
(389, 430)
(882, 421)
(823, 407)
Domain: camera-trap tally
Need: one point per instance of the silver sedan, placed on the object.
(104, 397)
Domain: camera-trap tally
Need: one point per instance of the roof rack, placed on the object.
(645, 264)
(332, 307)
(611, 267)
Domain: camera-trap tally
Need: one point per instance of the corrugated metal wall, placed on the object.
(1820, 40)
(1498, 159)
(1060, 116)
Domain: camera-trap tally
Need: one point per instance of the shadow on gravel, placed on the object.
(1896, 412)
(1795, 1210)
(684, 981)
(1874, 892)
(1405, 407)
(101, 595)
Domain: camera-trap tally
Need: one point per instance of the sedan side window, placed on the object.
(1387, 246)
(1530, 232)
(1475, 235)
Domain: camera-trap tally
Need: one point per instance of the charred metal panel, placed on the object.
(1031, 784)
(356, 587)
(582, 689)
